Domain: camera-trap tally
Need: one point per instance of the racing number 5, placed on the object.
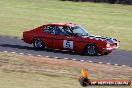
(68, 44)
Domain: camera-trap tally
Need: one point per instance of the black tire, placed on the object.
(91, 50)
(38, 43)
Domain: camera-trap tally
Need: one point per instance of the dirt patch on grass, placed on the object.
(92, 67)
(59, 67)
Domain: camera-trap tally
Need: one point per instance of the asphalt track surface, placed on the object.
(15, 45)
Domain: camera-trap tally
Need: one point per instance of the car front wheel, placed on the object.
(91, 50)
(39, 44)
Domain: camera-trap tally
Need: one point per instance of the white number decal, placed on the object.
(68, 44)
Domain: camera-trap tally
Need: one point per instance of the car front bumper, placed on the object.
(112, 48)
(115, 46)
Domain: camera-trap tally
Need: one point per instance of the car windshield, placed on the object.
(78, 30)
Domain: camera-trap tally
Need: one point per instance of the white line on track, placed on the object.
(29, 54)
(116, 64)
(39, 55)
(21, 53)
(82, 60)
(123, 65)
(100, 62)
(13, 52)
(90, 61)
(5, 51)
(74, 59)
(56, 57)
(47, 56)
(66, 58)
(108, 63)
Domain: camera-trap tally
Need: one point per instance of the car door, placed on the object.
(49, 36)
(63, 40)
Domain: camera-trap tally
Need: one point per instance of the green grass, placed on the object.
(18, 71)
(108, 20)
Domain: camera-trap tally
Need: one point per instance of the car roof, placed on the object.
(63, 24)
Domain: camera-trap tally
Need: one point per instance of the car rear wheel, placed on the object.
(39, 44)
(91, 50)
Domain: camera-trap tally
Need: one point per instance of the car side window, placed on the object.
(62, 30)
(58, 30)
(49, 29)
(67, 30)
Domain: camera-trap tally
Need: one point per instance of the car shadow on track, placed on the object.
(34, 49)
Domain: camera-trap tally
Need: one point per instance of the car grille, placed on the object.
(113, 44)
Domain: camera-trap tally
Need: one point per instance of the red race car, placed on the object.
(71, 37)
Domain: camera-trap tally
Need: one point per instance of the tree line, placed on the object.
(105, 1)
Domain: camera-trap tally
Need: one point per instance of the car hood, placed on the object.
(106, 39)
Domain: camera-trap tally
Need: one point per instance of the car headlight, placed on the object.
(108, 45)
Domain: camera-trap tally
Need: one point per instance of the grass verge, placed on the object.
(18, 71)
